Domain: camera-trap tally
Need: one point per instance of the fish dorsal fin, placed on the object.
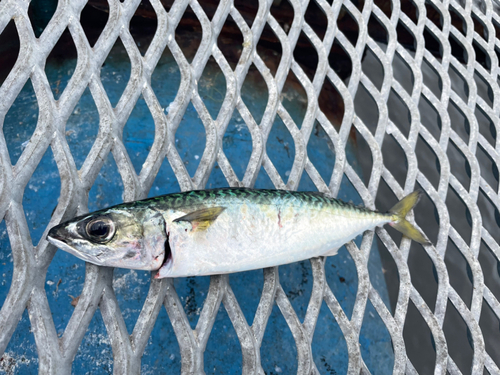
(202, 219)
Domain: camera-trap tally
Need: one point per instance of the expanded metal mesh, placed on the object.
(469, 27)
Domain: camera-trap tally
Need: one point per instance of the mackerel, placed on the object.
(218, 231)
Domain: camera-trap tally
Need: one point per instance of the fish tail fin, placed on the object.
(400, 210)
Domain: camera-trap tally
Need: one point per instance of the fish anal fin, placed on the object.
(202, 219)
(331, 252)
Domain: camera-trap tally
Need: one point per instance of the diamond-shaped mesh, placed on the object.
(436, 43)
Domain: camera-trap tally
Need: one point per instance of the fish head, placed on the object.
(117, 237)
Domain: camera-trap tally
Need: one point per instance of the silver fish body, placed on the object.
(219, 231)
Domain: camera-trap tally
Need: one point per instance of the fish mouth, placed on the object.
(57, 241)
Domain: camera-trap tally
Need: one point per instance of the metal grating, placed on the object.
(472, 26)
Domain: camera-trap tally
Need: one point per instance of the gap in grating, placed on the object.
(294, 98)
(458, 338)
(20, 122)
(296, 280)
(115, 72)
(6, 263)
(93, 19)
(359, 4)
(143, 26)
(490, 215)
(363, 155)
(434, 15)
(162, 350)
(342, 278)
(432, 79)
(486, 126)
(279, 345)
(405, 37)
(212, 87)
(254, 93)
(427, 215)
(139, 134)
(269, 49)
(459, 165)
(399, 113)
(316, 18)
(483, 88)
(188, 34)
(458, 51)
(321, 152)
(490, 323)
(496, 26)
(305, 183)
(403, 74)
(384, 6)
(247, 9)
(395, 159)
(481, 56)
(391, 274)
(192, 292)
(459, 272)
(230, 42)
(458, 84)
(247, 288)
(210, 7)
(378, 32)
(63, 286)
(216, 178)
(458, 121)
(61, 63)
(410, 9)
(430, 117)
(457, 21)
(460, 217)
(423, 274)
(40, 13)
(366, 108)
(348, 25)
(333, 358)
(107, 189)
(284, 13)
(41, 195)
(340, 62)
(95, 355)
(165, 80)
(9, 50)
(479, 27)
(375, 343)
(331, 103)
(221, 354)
(428, 162)
(418, 340)
(373, 68)
(165, 181)
(263, 180)
(237, 144)
(190, 139)
(378, 281)
(131, 289)
(490, 265)
(82, 128)
(280, 148)
(433, 45)
(25, 361)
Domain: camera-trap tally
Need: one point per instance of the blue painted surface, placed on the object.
(66, 273)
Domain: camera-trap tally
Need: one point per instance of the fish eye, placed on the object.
(100, 229)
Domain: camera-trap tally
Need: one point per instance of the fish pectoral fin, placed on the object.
(202, 219)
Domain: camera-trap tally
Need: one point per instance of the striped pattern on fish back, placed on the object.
(226, 196)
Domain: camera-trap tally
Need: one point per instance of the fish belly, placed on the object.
(246, 237)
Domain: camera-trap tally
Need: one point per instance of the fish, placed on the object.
(226, 230)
